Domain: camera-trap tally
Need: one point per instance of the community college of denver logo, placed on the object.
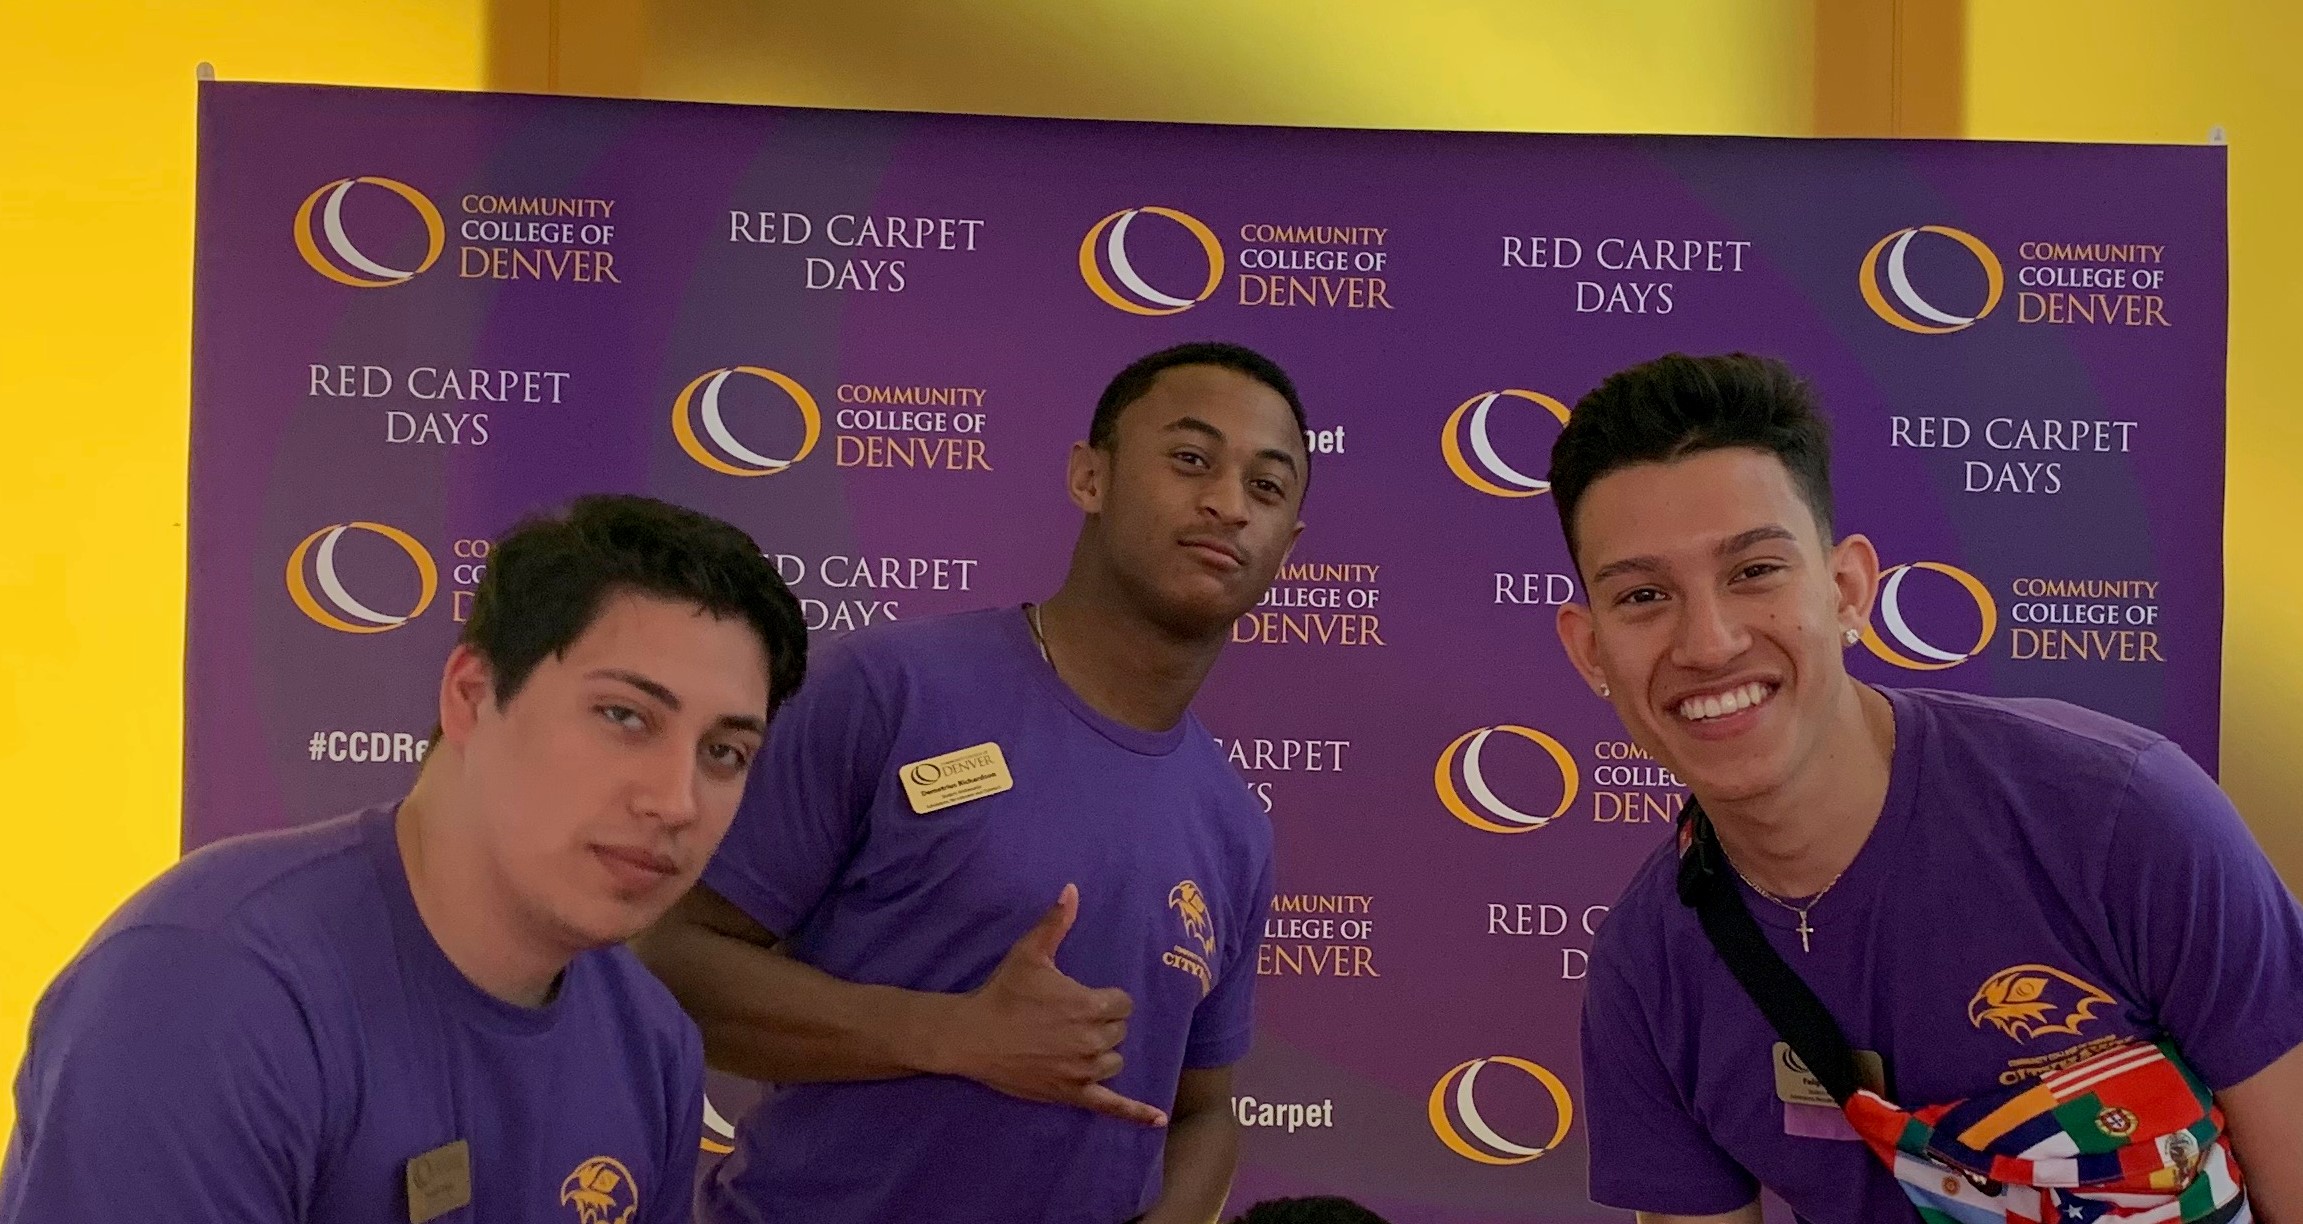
(327, 244)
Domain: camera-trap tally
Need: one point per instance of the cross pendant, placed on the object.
(1804, 931)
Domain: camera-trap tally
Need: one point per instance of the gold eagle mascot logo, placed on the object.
(1190, 904)
(602, 1192)
(2029, 1001)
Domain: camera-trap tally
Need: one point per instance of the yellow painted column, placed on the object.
(96, 154)
(2132, 70)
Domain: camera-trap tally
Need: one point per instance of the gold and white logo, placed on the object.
(699, 403)
(345, 261)
(1457, 1120)
(334, 604)
(1104, 260)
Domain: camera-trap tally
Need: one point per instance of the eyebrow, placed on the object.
(1727, 547)
(1198, 426)
(671, 700)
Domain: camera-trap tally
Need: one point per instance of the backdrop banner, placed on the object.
(868, 339)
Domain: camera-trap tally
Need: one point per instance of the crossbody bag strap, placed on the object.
(1799, 1017)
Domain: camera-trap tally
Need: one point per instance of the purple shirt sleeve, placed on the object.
(183, 1049)
(808, 799)
(1223, 1026)
(2213, 939)
(1648, 1153)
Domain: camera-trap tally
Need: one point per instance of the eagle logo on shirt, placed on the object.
(1190, 904)
(602, 1192)
(2027, 1001)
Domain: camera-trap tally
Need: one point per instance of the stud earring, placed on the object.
(1604, 691)
(1853, 636)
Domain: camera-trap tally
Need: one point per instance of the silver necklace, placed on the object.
(1039, 635)
(1805, 930)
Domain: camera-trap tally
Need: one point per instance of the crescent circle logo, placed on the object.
(1484, 810)
(927, 773)
(343, 261)
(342, 611)
(700, 401)
(1466, 1131)
(1483, 469)
(1106, 246)
(1903, 646)
(1911, 311)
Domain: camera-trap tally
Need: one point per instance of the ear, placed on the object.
(1579, 637)
(1087, 477)
(1292, 537)
(1854, 580)
(467, 691)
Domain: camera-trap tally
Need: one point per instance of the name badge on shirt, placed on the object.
(439, 1181)
(1796, 1085)
(957, 777)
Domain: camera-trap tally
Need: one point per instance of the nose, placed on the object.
(1224, 502)
(669, 789)
(1707, 637)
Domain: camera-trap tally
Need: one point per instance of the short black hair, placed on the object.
(1323, 1209)
(548, 578)
(1676, 406)
(1134, 382)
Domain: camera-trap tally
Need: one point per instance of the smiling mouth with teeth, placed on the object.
(1733, 701)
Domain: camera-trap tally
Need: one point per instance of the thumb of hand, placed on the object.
(1048, 933)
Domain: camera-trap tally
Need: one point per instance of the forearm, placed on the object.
(2272, 1157)
(1202, 1153)
(2265, 1114)
(1747, 1214)
(766, 1016)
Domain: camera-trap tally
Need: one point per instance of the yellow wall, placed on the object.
(2146, 70)
(1541, 65)
(96, 145)
(95, 234)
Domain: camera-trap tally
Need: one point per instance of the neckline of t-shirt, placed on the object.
(1017, 629)
(458, 997)
(1868, 873)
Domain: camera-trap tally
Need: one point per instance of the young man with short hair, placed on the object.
(1982, 891)
(422, 1011)
(989, 918)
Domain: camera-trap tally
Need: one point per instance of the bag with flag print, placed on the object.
(2129, 1134)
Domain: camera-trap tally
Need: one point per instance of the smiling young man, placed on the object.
(1981, 891)
(421, 1012)
(989, 917)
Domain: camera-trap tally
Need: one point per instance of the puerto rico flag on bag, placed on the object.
(2127, 1135)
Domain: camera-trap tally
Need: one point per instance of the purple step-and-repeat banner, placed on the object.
(868, 339)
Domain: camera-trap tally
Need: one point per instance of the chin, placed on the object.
(1199, 612)
(1734, 785)
(600, 922)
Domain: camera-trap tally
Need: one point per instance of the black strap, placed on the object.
(1707, 885)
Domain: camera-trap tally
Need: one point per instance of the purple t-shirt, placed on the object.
(1173, 862)
(2043, 881)
(267, 1033)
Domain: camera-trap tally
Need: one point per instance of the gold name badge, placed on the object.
(439, 1181)
(1796, 1085)
(957, 777)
